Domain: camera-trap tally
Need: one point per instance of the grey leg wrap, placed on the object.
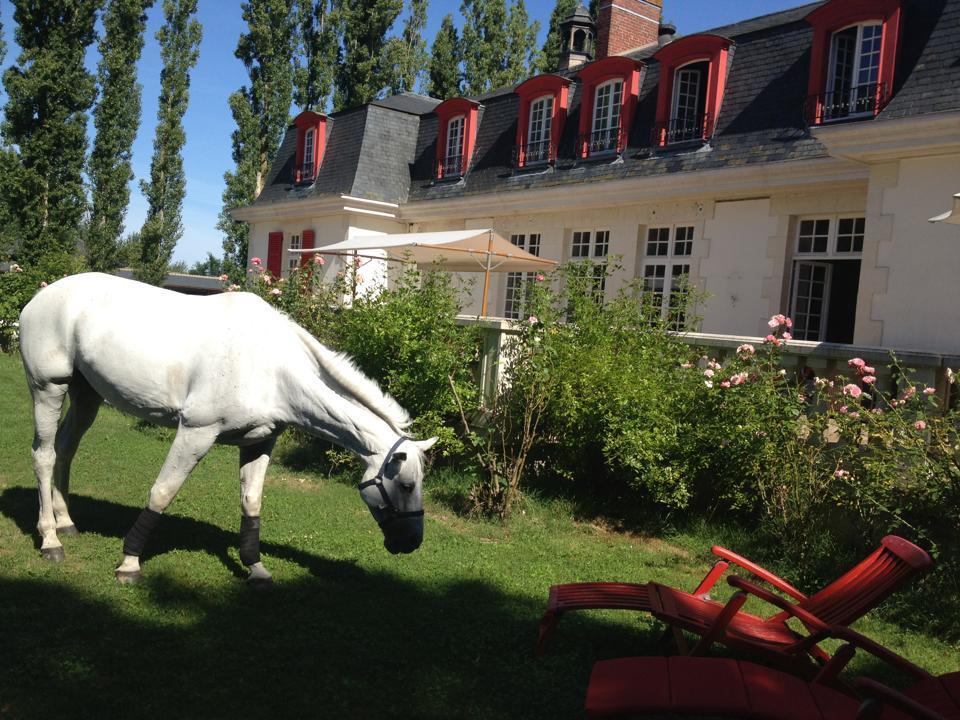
(135, 540)
(249, 540)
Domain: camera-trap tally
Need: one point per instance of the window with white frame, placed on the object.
(453, 158)
(293, 261)
(825, 278)
(605, 134)
(593, 246)
(667, 255)
(308, 153)
(689, 102)
(538, 134)
(853, 71)
(518, 283)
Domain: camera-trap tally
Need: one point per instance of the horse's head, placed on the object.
(392, 487)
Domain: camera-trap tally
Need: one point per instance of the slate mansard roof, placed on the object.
(386, 150)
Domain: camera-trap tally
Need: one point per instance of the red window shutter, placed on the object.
(307, 239)
(275, 253)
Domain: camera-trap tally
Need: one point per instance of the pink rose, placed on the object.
(533, 320)
(708, 383)
(841, 474)
(854, 414)
(920, 425)
(787, 336)
(725, 384)
(686, 365)
(539, 277)
(233, 288)
(746, 350)
(256, 261)
(909, 392)
(788, 322)
(224, 278)
(738, 379)
(929, 391)
(773, 323)
(869, 380)
(867, 370)
(856, 363)
(852, 390)
(318, 260)
(708, 373)
(43, 283)
(276, 291)
(771, 340)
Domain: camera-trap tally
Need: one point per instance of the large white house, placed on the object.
(788, 163)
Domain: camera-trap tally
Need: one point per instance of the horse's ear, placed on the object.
(425, 445)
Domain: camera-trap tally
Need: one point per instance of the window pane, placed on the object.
(683, 243)
(533, 245)
(580, 245)
(658, 242)
(813, 236)
(601, 243)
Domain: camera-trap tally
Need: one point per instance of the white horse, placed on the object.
(228, 369)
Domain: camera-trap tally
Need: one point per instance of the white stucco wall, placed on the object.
(736, 265)
(920, 307)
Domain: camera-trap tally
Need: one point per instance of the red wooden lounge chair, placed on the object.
(883, 572)
(731, 688)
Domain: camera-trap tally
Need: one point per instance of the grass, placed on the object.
(347, 631)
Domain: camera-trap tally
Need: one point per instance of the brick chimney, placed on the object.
(624, 25)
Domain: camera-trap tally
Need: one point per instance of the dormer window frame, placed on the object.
(450, 112)
(594, 77)
(530, 92)
(453, 150)
(308, 160)
(675, 57)
(860, 100)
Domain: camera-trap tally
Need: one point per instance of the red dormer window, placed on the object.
(693, 75)
(543, 113)
(853, 60)
(311, 142)
(457, 136)
(608, 101)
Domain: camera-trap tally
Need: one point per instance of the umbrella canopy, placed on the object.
(459, 250)
(951, 216)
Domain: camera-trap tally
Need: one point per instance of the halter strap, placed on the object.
(389, 511)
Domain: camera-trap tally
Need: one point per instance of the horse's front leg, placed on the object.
(254, 460)
(189, 447)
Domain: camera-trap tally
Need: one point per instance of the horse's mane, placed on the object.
(340, 368)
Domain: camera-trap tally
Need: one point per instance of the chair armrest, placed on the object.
(811, 621)
(765, 575)
(876, 691)
(878, 651)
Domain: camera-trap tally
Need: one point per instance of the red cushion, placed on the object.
(940, 694)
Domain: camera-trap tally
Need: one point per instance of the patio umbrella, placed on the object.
(459, 250)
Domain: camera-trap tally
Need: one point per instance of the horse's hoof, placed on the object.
(68, 530)
(128, 577)
(53, 554)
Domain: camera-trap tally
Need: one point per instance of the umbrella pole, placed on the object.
(486, 274)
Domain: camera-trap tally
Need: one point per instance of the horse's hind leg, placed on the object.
(84, 405)
(254, 460)
(47, 403)
(189, 447)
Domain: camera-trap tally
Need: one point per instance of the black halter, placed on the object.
(388, 512)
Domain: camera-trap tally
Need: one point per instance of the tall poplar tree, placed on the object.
(483, 43)
(522, 55)
(179, 49)
(445, 61)
(405, 57)
(261, 112)
(363, 28)
(316, 54)
(549, 58)
(116, 119)
(49, 92)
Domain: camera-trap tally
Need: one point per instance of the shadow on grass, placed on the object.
(342, 643)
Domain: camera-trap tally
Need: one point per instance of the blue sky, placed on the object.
(208, 123)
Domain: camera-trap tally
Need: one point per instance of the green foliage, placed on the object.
(316, 57)
(22, 282)
(261, 113)
(405, 57)
(497, 45)
(49, 92)
(116, 119)
(363, 26)
(211, 266)
(10, 235)
(549, 59)
(179, 49)
(445, 61)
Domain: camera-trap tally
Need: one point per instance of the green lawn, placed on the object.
(347, 630)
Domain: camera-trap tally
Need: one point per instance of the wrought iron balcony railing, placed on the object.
(601, 142)
(450, 167)
(304, 173)
(534, 153)
(688, 128)
(862, 101)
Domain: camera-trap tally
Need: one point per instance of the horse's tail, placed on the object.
(342, 370)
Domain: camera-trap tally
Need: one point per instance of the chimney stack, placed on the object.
(623, 25)
(667, 31)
